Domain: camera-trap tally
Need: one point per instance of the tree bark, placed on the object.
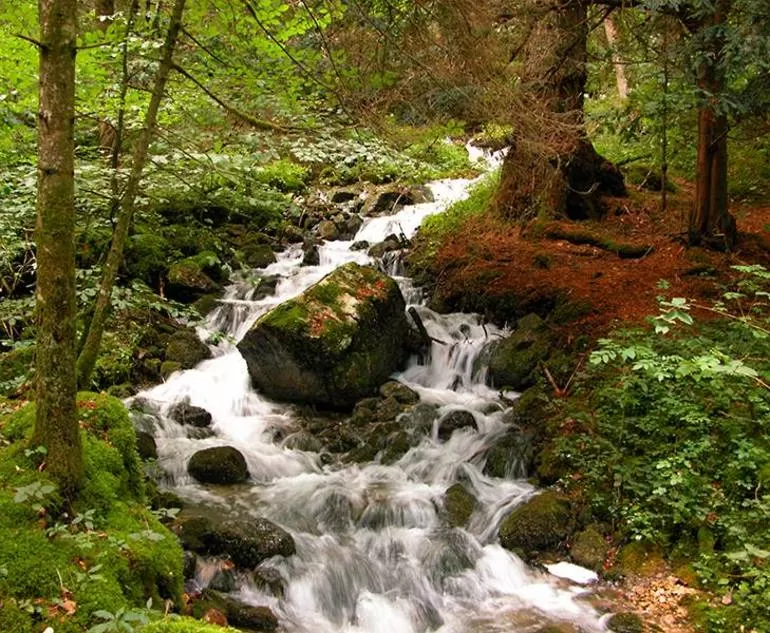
(611, 32)
(556, 170)
(56, 425)
(710, 219)
(90, 351)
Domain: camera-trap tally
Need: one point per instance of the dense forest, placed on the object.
(375, 315)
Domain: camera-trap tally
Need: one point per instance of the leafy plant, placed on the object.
(122, 621)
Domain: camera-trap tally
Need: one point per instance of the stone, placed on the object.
(185, 413)
(218, 465)
(145, 445)
(400, 392)
(343, 195)
(453, 421)
(311, 256)
(626, 623)
(246, 543)
(386, 246)
(589, 548)
(223, 580)
(168, 367)
(303, 441)
(258, 255)
(459, 505)
(239, 614)
(512, 456)
(360, 245)
(536, 524)
(327, 230)
(187, 281)
(421, 418)
(189, 565)
(334, 344)
(514, 361)
(270, 581)
(185, 348)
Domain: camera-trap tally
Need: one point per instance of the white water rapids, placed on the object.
(374, 552)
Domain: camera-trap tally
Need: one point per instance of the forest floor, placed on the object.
(546, 260)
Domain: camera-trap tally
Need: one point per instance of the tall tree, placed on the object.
(552, 168)
(88, 355)
(56, 425)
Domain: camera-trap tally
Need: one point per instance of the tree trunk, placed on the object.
(710, 219)
(90, 351)
(611, 32)
(56, 425)
(555, 170)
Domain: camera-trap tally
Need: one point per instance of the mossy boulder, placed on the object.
(626, 623)
(185, 348)
(399, 392)
(175, 624)
(537, 524)
(589, 548)
(147, 257)
(513, 362)
(246, 543)
(459, 505)
(146, 446)
(257, 255)
(332, 345)
(188, 279)
(218, 465)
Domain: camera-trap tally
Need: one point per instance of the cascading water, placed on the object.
(374, 552)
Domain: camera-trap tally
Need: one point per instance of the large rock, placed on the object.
(185, 413)
(247, 544)
(257, 619)
(218, 465)
(514, 361)
(332, 345)
(537, 524)
(185, 348)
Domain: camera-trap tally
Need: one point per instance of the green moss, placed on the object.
(184, 625)
(12, 618)
(15, 369)
(539, 523)
(147, 256)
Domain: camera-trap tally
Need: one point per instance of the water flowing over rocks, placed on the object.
(332, 345)
(365, 521)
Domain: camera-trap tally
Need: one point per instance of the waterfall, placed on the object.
(374, 553)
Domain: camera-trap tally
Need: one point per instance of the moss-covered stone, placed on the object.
(147, 257)
(188, 280)
(257, 255)
(514, 361)
(589, 548)
(247, 544)
(454, 421)
(332, 345)
(242, 615)
(537, 524)
(168, 367)
(185, 348)
(626, 623)
(459, 505)
(145, 446)
(218, 465)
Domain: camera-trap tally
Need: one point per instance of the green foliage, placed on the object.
(478, 201)
(669, 439)
(183, 625)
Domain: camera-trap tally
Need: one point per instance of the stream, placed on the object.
(374, 551)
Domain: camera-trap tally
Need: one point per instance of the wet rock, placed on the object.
(270, 581)
(247, 544)
(626, 623)
(189, 565)
(400, 392)
(421, 418)
(459, 505)
(145, 445)
(185, 348)
(223, 580)
(351, 226)
(238, 614)
(187, 280)
(512, 455)
(388, 409)
(361, 245)
(258, 255)
(589, 548)
(537, 524)
(453, 421)
(396, 446)
(303, 441)
(265, 287)
(185, 413)
(311, 256)
(218, 465)
(389, 200)
(332, 345)
(388, 245)
(514, 361)
(168, 367)
(327, 230)
(206, 304)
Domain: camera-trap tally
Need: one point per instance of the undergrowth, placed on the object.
(667, 438)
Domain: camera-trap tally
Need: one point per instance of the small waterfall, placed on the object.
(374, 551)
